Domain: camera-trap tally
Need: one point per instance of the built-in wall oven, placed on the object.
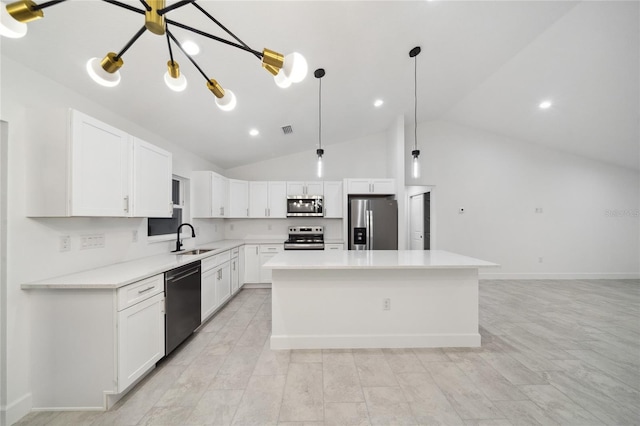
(305, 238)
(182, 304)
(305, 206)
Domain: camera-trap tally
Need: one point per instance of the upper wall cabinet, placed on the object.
(238, 198)
(371, 186)
(267, 199)
(305, 188)
(209, 195)
(152, 175)
(79, 166)
(333, 199)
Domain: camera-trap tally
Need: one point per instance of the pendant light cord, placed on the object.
(320, 115)
(415, 103)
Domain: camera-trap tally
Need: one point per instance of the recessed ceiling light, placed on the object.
(254, 132)
(378, 103)
(191, 48)
(544, 105)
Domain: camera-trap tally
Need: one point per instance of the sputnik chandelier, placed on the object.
(286, 70)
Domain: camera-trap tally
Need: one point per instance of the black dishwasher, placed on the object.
(182, 304)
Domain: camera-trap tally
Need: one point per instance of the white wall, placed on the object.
(396, 167)
(33, 243)
(363, 157)
(500, 182)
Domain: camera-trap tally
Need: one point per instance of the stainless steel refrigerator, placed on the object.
(373, 224)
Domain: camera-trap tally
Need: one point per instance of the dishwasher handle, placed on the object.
(177, 276)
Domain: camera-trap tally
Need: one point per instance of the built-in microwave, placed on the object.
(305, 206)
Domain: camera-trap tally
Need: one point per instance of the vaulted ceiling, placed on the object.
(486, 64)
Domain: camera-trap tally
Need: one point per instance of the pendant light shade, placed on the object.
(173, 79)
(9, 26)
(415, 164)
(295, 67)
(282, 81)
(105, 72)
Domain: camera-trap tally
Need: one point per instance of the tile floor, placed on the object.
(553, 352)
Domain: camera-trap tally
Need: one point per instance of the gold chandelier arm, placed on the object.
(146, 5)
(186, 54)
(130, 43)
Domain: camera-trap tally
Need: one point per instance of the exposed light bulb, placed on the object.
(378, 103)
(281, 80)
(545, 105)
(228, 101)
(320, 166)
(415, 167)
(176, 84)
(9, 26)
(254, 132)
(295, 67)
(100, 76)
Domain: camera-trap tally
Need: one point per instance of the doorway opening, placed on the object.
(420, 219)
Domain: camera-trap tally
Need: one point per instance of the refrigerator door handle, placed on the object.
(370, 230)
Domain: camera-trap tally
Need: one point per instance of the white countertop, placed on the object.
(121, 274)
(374, 259)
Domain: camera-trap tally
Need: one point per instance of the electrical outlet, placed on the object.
(134, 236)
(65, 243)
(386, 304)
(538, 209)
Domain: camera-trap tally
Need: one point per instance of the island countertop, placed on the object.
(374, 259)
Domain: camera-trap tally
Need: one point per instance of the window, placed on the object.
(159, 226)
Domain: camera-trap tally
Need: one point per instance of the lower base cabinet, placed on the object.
(216, 283)
(255, 255)
(89, 345)
(235, 274)
(140, 339)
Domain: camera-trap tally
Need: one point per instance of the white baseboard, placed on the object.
(16, 410)
(559, 276)
(258, 285)
(376, 341)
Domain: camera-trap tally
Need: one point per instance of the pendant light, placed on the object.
(415, 166)
(319, 73)
(172, 78)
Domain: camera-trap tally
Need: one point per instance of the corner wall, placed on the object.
(589, 224)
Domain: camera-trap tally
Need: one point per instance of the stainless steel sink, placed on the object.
(196, 251)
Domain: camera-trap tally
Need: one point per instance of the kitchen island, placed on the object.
(374, 299)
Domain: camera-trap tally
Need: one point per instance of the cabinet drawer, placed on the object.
(137, 292)
(333, 246)
(271, 248)
(213, 261)
(235, 252)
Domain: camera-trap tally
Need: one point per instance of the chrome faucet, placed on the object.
(178, 242)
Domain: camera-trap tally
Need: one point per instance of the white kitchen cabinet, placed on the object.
(333, 197)
(334, 246)
(79, 166)
(209, 195)
(152, 176)
(140, 339)
(371, 186)
(305, 188)
(267, 199)
(238, 198)
(251, 263)
(223, 283)
(208, 292)
(267, 251)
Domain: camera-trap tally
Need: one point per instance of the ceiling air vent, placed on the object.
(287, 130)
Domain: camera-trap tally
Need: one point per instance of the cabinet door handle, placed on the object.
(126, 203)
(146, 289)
(234, 266)
(265, 212)
(247, 212)
(256, 249)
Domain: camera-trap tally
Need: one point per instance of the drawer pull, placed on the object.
(146, 289)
